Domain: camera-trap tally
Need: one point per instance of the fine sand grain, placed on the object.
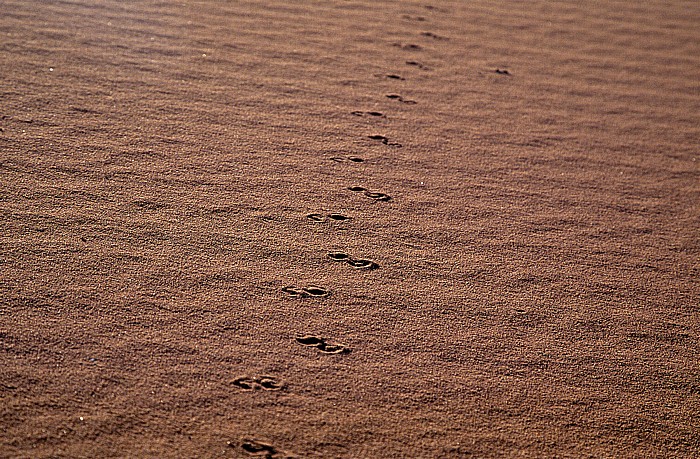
(349, 229)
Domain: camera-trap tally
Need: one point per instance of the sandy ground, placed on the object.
(186, 272)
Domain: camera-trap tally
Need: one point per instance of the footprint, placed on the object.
(353, 159)
(313, 290)
(258, 448)
(293, 291)
(246, 384)
(385, 140)
(363, 264)
(338, 256)
(408, 46)
(320, 218)
(308, 340)
(369, 194)
(263, 382)
(149, 205)
(378, 196)
(270, 383)
(433, 36)
(316, 217)
(333, 348)
(305, 292)
(322, 345)
(413, 18)
(355, 263)
(435, 8)
(417, 64)
(359, 113)
(401, 99)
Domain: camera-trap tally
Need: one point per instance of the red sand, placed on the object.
(537, 279)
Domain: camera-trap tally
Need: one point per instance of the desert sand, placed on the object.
(349, 229)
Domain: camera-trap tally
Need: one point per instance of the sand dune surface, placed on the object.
(349, 229)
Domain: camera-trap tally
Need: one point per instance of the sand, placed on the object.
(349, 229)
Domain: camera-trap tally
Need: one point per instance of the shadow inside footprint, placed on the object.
(309, 340)
(258, 449)
(262, 382)
(434, 36)
(332, 348)
(293, 291)
(353, 159)
(316, 217)
(384, 140)
(401, 99)
(413, 18)
(363, 264)
(322, 345)
(360, 113)
(244, 383)
(378, 196)
(315, 291)
(338, 256)
(407, 46)
(320, 218)
(270, 383)
(417, 64)
(306, 292)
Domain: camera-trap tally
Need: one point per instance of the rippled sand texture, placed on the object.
(349, 229)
